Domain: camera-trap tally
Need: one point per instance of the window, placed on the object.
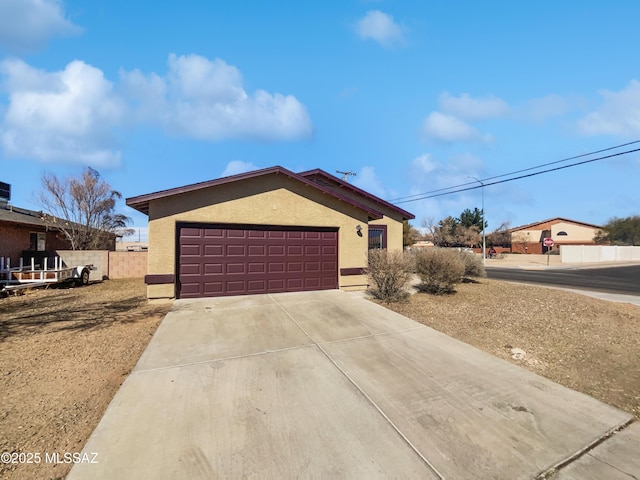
(562, 234)
(377, 237)
(37, 241)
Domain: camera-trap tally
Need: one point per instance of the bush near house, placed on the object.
(473, 267)
(439, 270)
(390, 273)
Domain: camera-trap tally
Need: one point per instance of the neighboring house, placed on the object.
(563, 231)
(264, 231)
(24, 234)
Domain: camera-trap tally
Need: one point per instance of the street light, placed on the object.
(484, 246)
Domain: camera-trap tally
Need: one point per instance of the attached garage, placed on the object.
(267, 231)
(216, 260)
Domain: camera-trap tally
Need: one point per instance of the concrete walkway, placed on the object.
(330, 385)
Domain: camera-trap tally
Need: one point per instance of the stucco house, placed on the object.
(24, 233)
(265, 231)
(563, 231)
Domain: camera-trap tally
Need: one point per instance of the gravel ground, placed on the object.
(586, 344)
(64, 352)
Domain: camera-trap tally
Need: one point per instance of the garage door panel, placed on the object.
(212, 289)
(187, 232)
(236, 268)
(259, 234)
(275, 267)
(294, 250)
(295, 267)
(311, 267)
(190, 269)
(190, 250)
(210, 232)
(213, 250)
(275, 250)
(213, 268)
(236, 233)
(256, 250)
(255, 268)
(312, 250)
(235, 286)
(252, 260)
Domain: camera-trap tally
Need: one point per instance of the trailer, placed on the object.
(32, 275)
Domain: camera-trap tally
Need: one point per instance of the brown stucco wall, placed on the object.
(266, 200)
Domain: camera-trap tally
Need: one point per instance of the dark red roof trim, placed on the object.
(141, 202)
(359, 191)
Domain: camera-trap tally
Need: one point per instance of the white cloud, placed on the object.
(468, 108)
(27, 25)
(368, 180)
(381, 27)
(429, 175)
(618, 115)
(448, 128)
(235, 167)
(204, 99)
(66, 116)
(422, 167)
(539, 109)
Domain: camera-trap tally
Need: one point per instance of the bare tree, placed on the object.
(82, 209)
(501, 236)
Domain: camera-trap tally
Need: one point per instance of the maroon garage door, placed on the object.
(220, 260)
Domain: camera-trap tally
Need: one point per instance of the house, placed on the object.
(563, 231)
(25, 234)
(264, 231)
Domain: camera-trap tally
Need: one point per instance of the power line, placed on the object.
(405, 199)
(521, 176)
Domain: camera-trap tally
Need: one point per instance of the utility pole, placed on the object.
(484, 246)
(345, 175)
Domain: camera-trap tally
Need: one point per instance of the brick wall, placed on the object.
(127, 264)
(15, 239)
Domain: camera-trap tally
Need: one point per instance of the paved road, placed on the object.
(624, 280)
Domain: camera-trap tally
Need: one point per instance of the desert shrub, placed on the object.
(473, 267)
(439, 270)
(389, 273)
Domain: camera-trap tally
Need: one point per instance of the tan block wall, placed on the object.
(277, 200)
(99, 259)
(127, 264)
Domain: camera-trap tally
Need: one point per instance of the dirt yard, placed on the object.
(586, 344)
(64, 352)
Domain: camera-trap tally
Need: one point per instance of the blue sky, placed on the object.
(413, 96)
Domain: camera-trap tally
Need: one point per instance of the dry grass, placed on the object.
(586, 344)
(64, 352)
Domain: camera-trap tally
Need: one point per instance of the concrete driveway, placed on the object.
(329, 384)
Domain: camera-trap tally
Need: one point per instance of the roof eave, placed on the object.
(141, 202)
(317, 171)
